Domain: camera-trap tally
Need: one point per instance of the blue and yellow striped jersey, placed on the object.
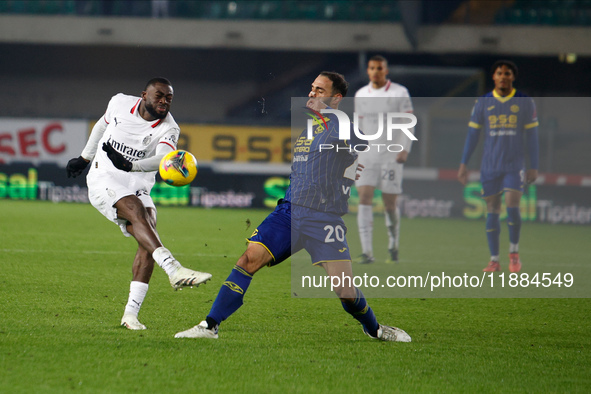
(321, 177)
(504, 122)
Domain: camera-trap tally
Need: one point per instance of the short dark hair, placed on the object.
(156, 80)
(507, 63)
(339, 84)
(378, 58)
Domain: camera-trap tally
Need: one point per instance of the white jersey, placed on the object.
(391, 97)
(132, 136)
(137, 140)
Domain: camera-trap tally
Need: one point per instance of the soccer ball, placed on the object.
(178, 168)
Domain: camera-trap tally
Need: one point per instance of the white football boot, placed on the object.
(199, 331)
(391, 334)
(132, 323)
(184, 277)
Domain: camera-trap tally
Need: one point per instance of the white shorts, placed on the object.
(106, 188)
(385, 176)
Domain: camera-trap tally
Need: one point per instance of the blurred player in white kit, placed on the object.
(383, 167)
(125, 147)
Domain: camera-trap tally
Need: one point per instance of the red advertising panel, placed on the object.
(41, 140)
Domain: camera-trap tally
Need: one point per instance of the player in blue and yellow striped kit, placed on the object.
(509, 122)
(309, 217)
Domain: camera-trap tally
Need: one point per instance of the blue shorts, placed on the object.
(274, 233)
(322, 234)
(495, 182)
(284, 233)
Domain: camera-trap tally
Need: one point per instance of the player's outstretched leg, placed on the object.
(391, 334)
(178, 275)
(201, 330)
(362, 312)
(137, 293)
(228, 300)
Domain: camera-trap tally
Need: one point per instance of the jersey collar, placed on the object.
(135, 111)
(386, 87)
(506, 98)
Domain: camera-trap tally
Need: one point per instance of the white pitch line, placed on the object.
(99, 252)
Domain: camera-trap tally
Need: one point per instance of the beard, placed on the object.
(152, 111)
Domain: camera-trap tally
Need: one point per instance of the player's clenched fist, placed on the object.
(117, 158)
(76, 166)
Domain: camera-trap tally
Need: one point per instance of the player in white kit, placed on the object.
(125, 147)
(383, 165)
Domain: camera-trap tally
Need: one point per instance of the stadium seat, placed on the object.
(515, 16)
(564, 16)
(502, 16)
(89, 7)
(531, 16)
(583, 17)
(242, 9)
(269, 10)
(187, 9)
(341, 11)
(50, 6)
(547, 12)
(548, 16)
(306, 10)
(141, 8)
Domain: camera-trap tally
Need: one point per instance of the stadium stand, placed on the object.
(270, 10)
(504, 12)
(230, 85)
(549, 12)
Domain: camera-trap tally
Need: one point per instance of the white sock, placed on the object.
(166, 261)
(513, 248)
(494, 258)
(137, 293)
(365, 224)
(393, 225)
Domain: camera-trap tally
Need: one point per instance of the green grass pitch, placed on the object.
(64, 279)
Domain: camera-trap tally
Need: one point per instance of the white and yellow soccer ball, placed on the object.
(178, 168)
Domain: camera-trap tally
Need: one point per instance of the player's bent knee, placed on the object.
(493, 203)
(366, 199)
(130, 208)
(346, 294)
(365, 195)
(254, 258)
(389, 201)
(152, 216)
(512, 199)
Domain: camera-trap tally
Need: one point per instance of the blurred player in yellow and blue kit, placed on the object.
(508, 120)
